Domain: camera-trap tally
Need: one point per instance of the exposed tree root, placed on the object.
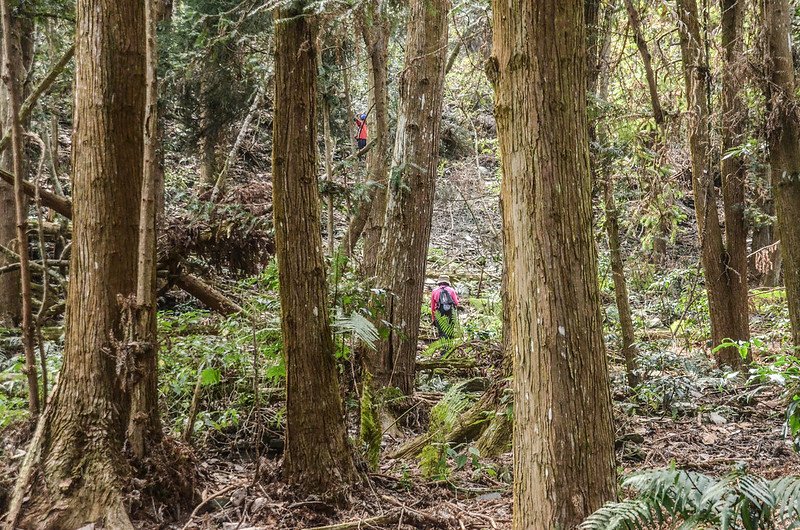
(69, 481)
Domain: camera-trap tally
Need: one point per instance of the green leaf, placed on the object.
(210, 376)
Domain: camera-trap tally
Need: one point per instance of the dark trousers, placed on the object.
(362, 142)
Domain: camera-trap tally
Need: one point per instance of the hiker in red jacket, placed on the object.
(444, 303)
(361, 137)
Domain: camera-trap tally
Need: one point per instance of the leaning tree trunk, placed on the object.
(318, 456)
(727, 322)
(406, 234)
(563, 432)
(783, 133)
(73, 471)
(657, 189)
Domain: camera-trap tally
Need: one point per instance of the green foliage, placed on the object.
(738, 500)
(783, 370)
(743, 347)
(434, 458)
(359, 326)
(370, 433)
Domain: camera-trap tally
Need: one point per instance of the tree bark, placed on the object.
(13, 80)
(783, 135)
(73, 471)
(370, 213)
(563, 432)
(404, 244)
(21, 39)
(727, 322)
(144, 424)
(318, 456)
(734, 175)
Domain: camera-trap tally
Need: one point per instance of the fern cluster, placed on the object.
(671, 498)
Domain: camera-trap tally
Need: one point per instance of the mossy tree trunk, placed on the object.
(318, 456)
(563, 432)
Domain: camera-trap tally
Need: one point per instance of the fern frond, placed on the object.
(632, 514)
(787, 500)
(358, 325)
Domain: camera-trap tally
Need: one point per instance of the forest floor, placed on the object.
(718, 428)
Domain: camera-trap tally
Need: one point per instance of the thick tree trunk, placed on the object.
(404, 245)
(73, 472)
(318, 456)
(369, 217)
(727, 322)
(563, 433)
(783, 133)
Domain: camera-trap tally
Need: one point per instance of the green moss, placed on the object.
(370, 432)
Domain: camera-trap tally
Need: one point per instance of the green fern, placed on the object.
(357, 324)
(690, 500)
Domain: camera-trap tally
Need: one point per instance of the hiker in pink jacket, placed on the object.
(444, 303)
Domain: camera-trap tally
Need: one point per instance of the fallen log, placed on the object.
(60, 205)
(211, 297)
(446, 364)
(214, 299)
(469, 426)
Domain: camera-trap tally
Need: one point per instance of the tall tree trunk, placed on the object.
(318, 456)
(563, 433)
(144, 424)
(13, 77)
(404, 244)
(73, 471)
(369, 217)
(783, 134)
(10, 294)
(734, 176)
(726, 320)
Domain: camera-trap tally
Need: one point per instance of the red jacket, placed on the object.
(435, 298)
(362, 129)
